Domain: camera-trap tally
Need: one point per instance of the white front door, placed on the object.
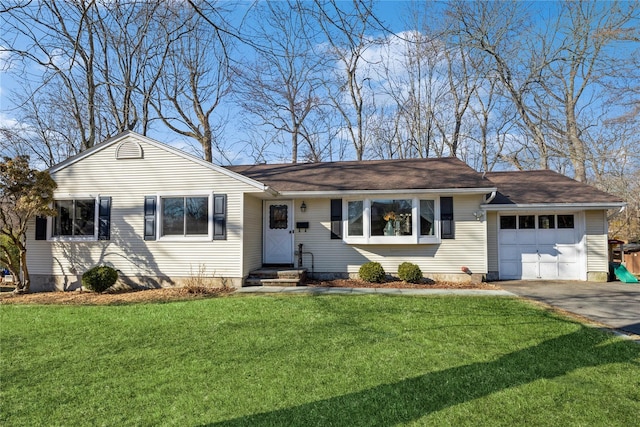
(278, 232)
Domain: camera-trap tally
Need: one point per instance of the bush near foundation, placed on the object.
(410, 272)
(99, 278)
(372, 272)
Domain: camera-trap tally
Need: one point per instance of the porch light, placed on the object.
(303, 207)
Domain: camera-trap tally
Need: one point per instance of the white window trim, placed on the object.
(73, 197)
(415, 238)
(195, 238)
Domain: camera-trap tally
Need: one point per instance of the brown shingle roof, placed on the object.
(544, 186)
(514, 188)
(406, 174)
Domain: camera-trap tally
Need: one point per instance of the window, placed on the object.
(541, 222)
(391, 217)
(74, 218)
(185, 216)
(565, 221)
(278, 217)
(427, 217)
(526, 222)
(546, 222)
(508, 222)
(82, 218)
(355, 225)
(395, 221)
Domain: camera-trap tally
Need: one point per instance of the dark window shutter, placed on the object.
(219, 217)
(104, 218)
(447, 229)
(336, 218)
(41, 228)
(150, 218)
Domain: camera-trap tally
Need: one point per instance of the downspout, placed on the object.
(622, 208)
(491, 197)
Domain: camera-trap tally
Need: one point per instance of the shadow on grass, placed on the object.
(413, 398)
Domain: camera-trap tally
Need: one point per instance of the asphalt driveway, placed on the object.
(614, 304)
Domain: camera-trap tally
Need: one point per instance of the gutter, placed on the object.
(416, 191)
(553, 206)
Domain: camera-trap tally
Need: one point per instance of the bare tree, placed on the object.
(58, 38)
(493, 122)
(415, 84)
(585, 58)
(495, 29)
(346, 29)
(554, 74)
(194, 82)
(280, 87)
(94, 62)
(135, 38)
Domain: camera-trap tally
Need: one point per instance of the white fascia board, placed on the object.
(552, 206)
(162, 146)
(320, 194)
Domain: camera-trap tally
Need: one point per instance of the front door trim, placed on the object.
(278, 232)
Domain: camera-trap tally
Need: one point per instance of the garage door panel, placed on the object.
(508, 237)
(526, 236)
(546, 237)
(528, 253)
(511, 270)
(548, 270)
(567, 270)
(567, 253)
(550, 256)
(511, 253)
(566, 237)
(529, 270)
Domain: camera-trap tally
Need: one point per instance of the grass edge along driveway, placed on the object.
(313, 360)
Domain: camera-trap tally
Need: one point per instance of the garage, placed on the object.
(545, 246)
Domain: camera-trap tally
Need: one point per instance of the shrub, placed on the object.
(372, 272)
(99, 278)
(409, 272)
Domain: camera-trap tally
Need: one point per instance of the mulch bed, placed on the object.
(180, 294)
(354, 283)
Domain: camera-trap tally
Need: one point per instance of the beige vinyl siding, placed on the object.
(127, 182)
(492, 240)
(597, 243)
(252, 234)
(468, 249)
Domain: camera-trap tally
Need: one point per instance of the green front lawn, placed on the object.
(313, 360)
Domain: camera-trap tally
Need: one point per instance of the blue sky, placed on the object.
(391, 13)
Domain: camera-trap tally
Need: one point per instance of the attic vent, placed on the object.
(128, 150)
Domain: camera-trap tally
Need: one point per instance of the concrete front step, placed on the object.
(276, 277)
(253, 281)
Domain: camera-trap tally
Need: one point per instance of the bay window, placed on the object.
(394, 221)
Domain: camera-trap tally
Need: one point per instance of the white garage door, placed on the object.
(539, 247)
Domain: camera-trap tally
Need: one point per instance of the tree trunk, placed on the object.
(576, 147)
